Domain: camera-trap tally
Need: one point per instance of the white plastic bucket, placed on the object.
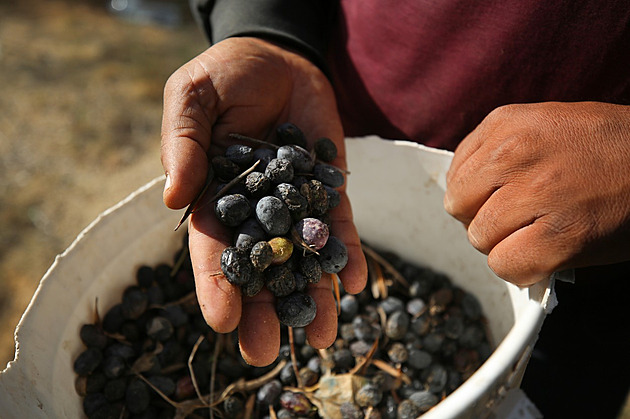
(396, 190)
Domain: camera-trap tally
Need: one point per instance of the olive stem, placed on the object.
(394, 372)
(361, 366)
(243, 385)
(242, 137)
(385, 264)
(193, 204)
(294, 358)
(192, 371)
(335, 283)
(213, 372)
(231, 183)
(298, 240)
(158, 391)
(180, 261)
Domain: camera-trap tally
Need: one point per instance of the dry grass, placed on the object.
(80, 114)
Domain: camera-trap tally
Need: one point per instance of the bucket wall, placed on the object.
(396, 191)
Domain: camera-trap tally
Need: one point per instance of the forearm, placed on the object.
(302, 25)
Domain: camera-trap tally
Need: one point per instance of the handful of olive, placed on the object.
(277, 202)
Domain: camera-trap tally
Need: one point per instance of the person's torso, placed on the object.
(430, 70)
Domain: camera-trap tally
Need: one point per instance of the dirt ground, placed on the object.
(80, 114)
(80, 110)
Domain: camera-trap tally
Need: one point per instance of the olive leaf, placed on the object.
(333, 391)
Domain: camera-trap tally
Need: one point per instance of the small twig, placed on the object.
(187, 407)
(172, 368)
(303, 390)
(361, 366)
(193, 204)
(327, 362)
(213, 372)
(395, 396)
(344, 171)
(296, 239)
(396, 373)
(158, 391)
(117, 336)
(385, 264)
(294, 358)
(246, 386)
(242, 137)
(227, 186)
(323, 354)
(188, 298)
(250, 404)
(372, 278)
(180, 261)
(315, 160)
(382, 316)
(378, 286)
(335, 284)
(147, 360)
(96, 318)
(192, 371)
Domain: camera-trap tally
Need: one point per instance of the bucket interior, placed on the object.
(396, 191)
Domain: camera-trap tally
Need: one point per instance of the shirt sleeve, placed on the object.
(302, 25)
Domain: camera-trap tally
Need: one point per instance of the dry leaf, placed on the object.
(333, 391)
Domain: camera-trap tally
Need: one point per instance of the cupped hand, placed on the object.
(249, 86)
(544, 187)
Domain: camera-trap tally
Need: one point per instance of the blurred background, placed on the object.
(80, 111)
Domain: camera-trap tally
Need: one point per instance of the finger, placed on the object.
(259, 330)
(354, 275)
(466, 148)
(503, 213)
(186, 126)
(493, 165)
(486, 130)
(480, 163)
(528, 255)
(219, 300)
(322, 331)
(469, 186)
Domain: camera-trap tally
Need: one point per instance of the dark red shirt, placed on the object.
(431, 70)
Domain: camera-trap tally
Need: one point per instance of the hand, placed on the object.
(544, 187)
(249, 86)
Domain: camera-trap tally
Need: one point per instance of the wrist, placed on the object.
(302, 26)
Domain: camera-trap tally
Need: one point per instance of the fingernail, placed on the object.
(473, 235)
(447, 202)
(168, 183)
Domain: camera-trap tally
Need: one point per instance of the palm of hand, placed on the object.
(248, 86)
